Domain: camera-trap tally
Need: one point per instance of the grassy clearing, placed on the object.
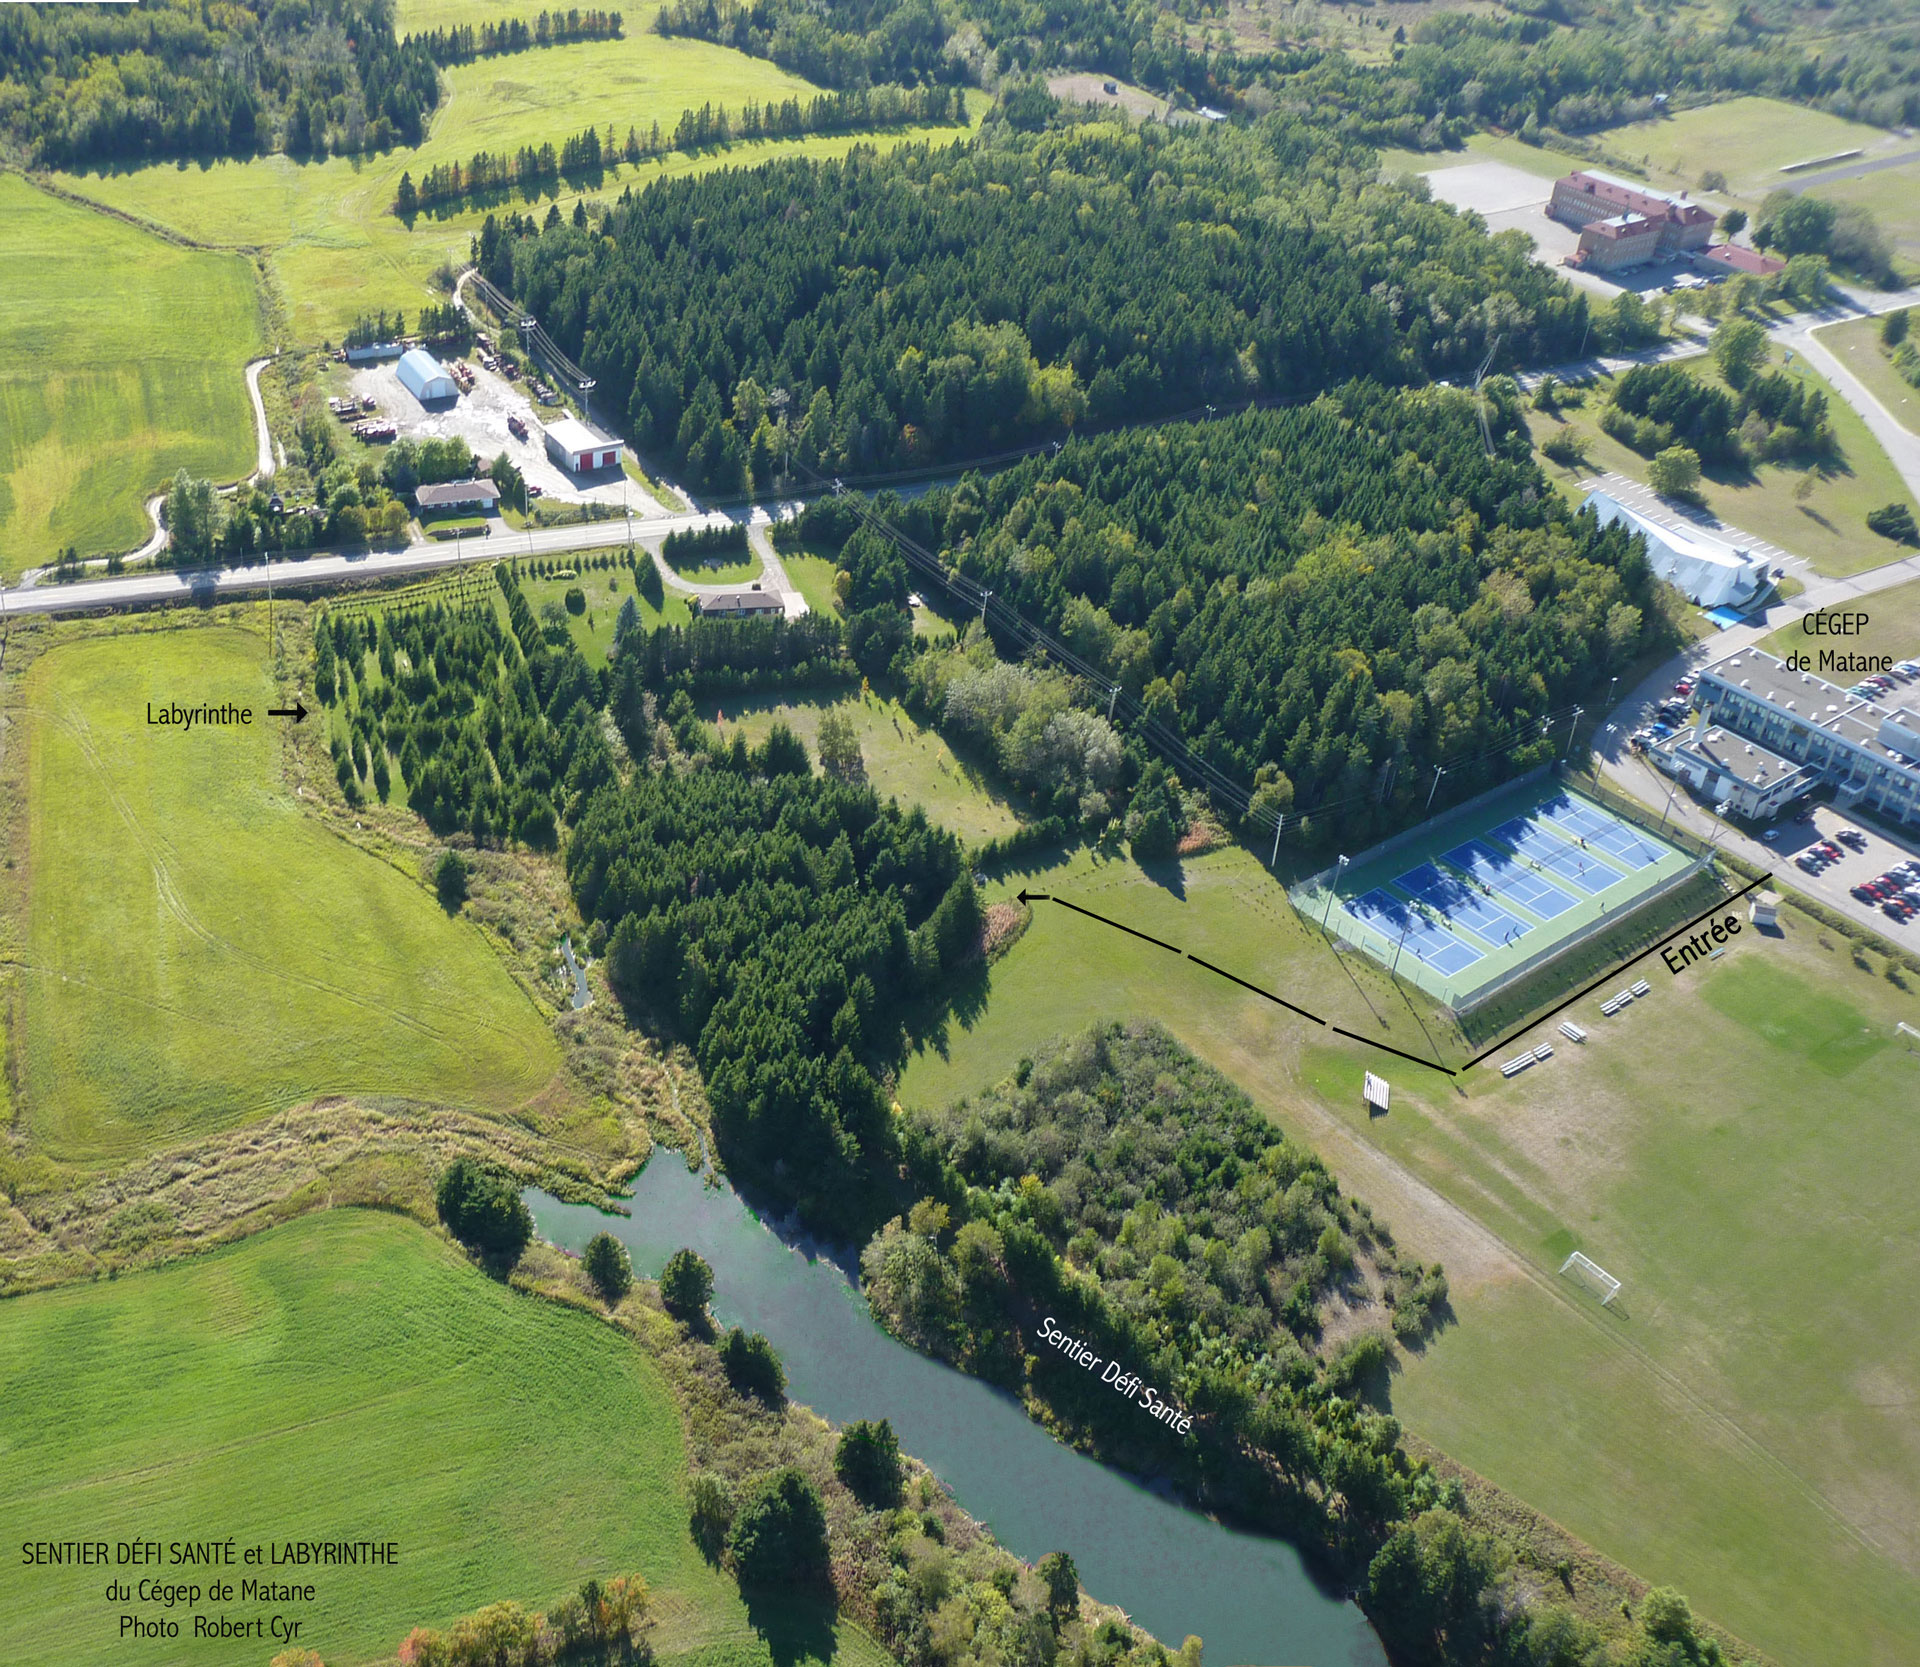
(1893, 627)
(1729, 1147)
(904, 761)
(716, 571)
(1481, 147)
(1893, 198)
(333, 248)
(1828, 528)
(121, 359)
(345, 1376)
(1857, 346)
(1749, 140)
(814, 575)
(197, 951)
(606, 589)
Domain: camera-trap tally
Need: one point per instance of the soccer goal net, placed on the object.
(1590, 1274)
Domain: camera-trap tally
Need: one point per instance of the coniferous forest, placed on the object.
(1327, 602)
(83, 84)
(947, 302)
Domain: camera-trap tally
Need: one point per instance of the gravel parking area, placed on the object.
(480, 418)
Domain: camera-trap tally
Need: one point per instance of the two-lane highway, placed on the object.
(205, 584)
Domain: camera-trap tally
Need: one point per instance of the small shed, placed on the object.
(580, 449)
(423, 376)
(1764, 910)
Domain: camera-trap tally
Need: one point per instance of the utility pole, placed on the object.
(986, 596)
(1571, 727)
(1439, 770)
(1113, 699)
(1279, 823)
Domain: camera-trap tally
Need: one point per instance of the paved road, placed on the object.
(1851, 170)
(204, 585)
(1900, 443)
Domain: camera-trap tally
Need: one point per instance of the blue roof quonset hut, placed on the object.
(422, 376)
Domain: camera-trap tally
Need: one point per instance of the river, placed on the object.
(1173, 1570)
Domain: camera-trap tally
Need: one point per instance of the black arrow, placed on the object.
(296, 711)
(1221, 972)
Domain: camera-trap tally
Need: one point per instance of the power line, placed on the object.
(1220, 786)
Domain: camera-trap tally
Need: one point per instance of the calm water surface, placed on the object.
(1249, 1598)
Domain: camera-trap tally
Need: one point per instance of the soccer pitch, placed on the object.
(1471, 900)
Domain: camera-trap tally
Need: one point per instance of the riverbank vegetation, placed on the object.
(1114, 1233)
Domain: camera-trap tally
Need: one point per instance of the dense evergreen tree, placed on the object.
(886, 312)
(81, 84)
(686, 1285)
(483, 1209)
(607, 1265)
(1327, 602)
(779, 1534)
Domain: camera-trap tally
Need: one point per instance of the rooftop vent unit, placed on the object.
(1745, 684)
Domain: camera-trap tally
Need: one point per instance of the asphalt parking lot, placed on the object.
(480, 418)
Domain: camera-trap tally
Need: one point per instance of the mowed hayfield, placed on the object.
(1747, 140)
(198, 951)
(1828, 527)
(348, 1376)
(121, 359)
(903, 760)
(333, 247)
(1736, 1148)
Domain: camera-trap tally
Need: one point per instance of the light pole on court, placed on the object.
(1333, 892)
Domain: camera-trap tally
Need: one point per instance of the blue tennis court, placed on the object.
(1384, 912)
(1587, 873)
(1461, 904)
(1601, 831)
(1510, 878)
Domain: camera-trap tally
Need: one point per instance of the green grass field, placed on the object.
(1892, 628)
(198, 951)
(1856, 345)
(605, 590)
(1892, 196)
(1749, 140)
(1733, 1148)
(1828, 528)
(904, 761)
(121, 360)
(814, 575)
(333, 248)
(348, 1376)
(717, 571)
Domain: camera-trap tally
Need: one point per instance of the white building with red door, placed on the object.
(580, 449)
